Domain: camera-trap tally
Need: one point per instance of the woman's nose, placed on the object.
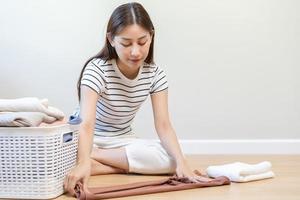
(135, 51)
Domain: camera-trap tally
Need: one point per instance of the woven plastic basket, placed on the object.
(35, 160)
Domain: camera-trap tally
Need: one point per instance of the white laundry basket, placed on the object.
(35, 160)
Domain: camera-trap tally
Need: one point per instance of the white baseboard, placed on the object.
(261, 146)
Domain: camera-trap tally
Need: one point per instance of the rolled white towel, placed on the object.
(30, 104)
(24, 119)
(242, 172)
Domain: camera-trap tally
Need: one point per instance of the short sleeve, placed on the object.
(93, 77)
(159, 82)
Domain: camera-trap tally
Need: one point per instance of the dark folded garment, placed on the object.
(147, 187)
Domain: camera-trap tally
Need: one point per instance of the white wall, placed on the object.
(233, 66)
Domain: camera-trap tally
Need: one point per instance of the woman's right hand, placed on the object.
(79, 173)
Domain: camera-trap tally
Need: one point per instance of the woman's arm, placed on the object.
(163, 125)
(88, 115)
(86, 130)
(168, 137)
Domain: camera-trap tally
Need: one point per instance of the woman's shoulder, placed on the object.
(99, 64)
(152, 67)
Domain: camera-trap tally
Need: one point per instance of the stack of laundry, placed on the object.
(242, 172)
(27, 112)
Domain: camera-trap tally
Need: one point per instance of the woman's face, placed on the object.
(132, 46)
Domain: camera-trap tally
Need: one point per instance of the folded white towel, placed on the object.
(30, 104)
(242, 172)
(24, 119)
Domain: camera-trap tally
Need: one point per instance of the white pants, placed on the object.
(144, 156)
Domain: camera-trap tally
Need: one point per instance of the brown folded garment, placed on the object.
(147, 187)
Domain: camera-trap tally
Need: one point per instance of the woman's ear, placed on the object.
(111, 41)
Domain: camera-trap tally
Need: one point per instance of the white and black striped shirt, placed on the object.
(120, 97)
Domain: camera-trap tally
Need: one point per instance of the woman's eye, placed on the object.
(125, 45)
(129, 44)
(142, 44)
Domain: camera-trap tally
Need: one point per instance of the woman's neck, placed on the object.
(128, 72)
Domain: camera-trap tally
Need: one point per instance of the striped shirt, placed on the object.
(120, 97)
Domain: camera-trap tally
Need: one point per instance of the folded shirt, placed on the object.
(30, 104)
(147, 187)
(242, 172)
(24, 119)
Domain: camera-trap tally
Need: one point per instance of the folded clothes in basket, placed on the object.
(242, 172)
(24, 119)
(29, 111)
(30, 104)
(147, 187)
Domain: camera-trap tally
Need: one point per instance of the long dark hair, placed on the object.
(122, 16)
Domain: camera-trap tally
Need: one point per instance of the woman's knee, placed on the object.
(149, 159)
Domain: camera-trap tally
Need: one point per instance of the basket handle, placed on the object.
(67, 137)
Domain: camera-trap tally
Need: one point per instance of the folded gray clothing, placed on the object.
(30, 104)
(24, 119)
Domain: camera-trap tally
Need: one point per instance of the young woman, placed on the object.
(111, 88)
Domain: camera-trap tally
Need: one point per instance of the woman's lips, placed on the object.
(135, 61)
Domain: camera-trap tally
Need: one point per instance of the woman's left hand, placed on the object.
(183, 170)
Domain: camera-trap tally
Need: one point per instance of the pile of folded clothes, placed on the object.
(242, 172)
(27, 112)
